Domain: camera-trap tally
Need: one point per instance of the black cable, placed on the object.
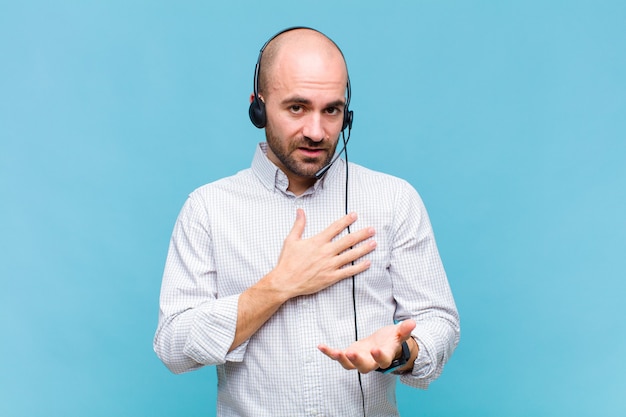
(356, 326)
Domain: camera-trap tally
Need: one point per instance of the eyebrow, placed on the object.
(305, 101)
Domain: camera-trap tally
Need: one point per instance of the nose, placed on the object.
(313, 128)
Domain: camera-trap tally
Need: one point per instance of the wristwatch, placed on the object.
(398, 363)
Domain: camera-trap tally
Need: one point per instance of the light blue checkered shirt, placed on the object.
(230, 233)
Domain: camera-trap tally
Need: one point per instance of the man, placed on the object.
(299, 279)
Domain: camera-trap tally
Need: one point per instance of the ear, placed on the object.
(251, 97)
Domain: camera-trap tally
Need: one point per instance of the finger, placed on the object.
(336, 355)
(327, 351)
(383, 360)
(298, 226)
(352, 255)
(338, 226)
(351, 240)
(364, 363)
(351, 270)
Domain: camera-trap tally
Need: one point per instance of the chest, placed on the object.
(248, 238)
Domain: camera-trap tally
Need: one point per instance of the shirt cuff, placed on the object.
(213, 331)
(424, 365)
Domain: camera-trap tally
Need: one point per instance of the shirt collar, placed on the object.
(274, 179)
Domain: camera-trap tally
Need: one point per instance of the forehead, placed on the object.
(319, 72)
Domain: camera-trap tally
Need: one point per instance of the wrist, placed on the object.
(272, 289)
(399, 363)
(414, 348)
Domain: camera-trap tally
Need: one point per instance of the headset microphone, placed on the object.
(319, 174)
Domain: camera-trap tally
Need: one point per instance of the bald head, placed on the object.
(303, 45)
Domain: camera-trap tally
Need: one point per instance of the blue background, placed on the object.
(509, 117)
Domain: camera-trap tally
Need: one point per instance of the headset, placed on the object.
(257, 113)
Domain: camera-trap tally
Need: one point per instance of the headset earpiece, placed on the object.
(347, 119)
(257, 112)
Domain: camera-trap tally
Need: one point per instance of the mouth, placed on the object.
(312, 152)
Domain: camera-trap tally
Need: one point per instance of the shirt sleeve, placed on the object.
(421, 289)
(195, 327)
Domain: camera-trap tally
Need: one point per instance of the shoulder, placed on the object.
(243, 179)
(395, 197)
(385, 192)
(378, 181)
(220, 194)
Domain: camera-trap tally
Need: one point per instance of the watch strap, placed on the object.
(399, 362)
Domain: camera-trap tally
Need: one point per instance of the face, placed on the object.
(304, 106)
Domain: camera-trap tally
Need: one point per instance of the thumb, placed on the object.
(298, 225)
(405, 328)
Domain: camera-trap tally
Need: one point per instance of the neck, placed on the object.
(298, 185)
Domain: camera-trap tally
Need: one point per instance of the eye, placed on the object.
(332, 111)
(295, 108)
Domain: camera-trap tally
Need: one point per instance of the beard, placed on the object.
(285, 152)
